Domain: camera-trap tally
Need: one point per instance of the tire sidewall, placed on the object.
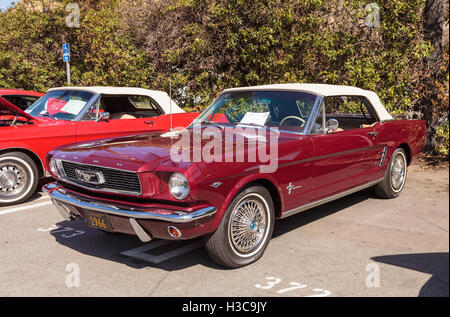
(232, 254)
(30, 169)
(392, 191)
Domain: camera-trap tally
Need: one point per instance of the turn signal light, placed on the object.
(174, 232)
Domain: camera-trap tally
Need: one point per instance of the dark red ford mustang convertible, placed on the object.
(254, 155)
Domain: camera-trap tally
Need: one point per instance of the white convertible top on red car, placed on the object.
(161, 97)
(326, 90)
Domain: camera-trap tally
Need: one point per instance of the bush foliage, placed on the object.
(201, 47)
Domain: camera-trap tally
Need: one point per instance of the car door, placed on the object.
(124, 118)
(349, 156)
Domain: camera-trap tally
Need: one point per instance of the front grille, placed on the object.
(117, 181)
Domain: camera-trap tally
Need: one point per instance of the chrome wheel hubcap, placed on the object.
(248, 225)
(12, 178)
(398, 172)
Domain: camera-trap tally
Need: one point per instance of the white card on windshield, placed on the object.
(258, 118)
(73, 106)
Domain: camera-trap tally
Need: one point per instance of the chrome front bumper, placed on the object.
(65, 200)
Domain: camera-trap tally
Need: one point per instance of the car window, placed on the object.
(351, 112)
(22, 102)
(143, 103)
(284, 109)
(61, 104)
(127, 107)
(94, 111)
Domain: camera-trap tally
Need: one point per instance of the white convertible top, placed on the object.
(325, 90)
(161, 97)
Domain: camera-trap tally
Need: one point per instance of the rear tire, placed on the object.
(245, 230)
(395, 176)
(19, 177)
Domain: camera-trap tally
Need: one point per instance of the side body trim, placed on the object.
(328, 199)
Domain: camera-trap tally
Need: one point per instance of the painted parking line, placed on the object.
(27, 207)
(143, 253)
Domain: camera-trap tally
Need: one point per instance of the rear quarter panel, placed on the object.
(410, 132)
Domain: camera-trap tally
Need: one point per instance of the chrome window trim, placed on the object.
(100, 189)
(313, 115)
(368, 104)
(86, 107)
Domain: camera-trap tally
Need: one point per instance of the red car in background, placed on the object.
(73, 114)
(20, 98)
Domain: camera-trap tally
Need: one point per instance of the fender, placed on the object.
(23, 148)
(239, 185)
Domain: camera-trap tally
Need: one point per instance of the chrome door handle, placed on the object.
(373, 134)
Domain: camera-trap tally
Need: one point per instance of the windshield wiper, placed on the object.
(213, 123)
(46, 115)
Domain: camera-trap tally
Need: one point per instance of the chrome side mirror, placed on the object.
(331, 126)
(103, 116)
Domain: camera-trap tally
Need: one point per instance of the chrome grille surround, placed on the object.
(116, 180)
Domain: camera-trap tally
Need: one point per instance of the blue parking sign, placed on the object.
(66, 52)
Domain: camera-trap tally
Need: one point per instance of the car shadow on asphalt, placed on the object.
(435, 264)
(109, 246)
(283, 226)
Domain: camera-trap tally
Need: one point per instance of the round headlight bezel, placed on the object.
(179, 186)
(53, 168)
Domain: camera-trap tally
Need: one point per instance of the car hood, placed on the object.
(7, 108)
(140, 153)
(135, 153)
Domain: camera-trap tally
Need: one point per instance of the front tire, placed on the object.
(18, 178)
(395, 177)
(245, 230)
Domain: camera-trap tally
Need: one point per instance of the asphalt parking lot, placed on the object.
(357, 246)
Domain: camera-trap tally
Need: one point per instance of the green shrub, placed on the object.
(201, 47)
(442, 137)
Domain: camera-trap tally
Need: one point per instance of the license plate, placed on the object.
(99, 221)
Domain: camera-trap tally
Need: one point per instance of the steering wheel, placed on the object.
(293, 117)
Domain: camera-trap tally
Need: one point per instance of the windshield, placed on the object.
(60, 104)
(286, 110)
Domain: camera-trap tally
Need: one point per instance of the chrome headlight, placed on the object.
(53, 168)
(56, 168)
(179, 186)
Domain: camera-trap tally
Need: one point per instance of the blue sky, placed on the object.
(6, 3)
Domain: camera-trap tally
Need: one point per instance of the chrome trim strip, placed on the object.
(100, 189)
(313, 115)
(87, 106)
(61, 195)
(328, 199)
(383, 156)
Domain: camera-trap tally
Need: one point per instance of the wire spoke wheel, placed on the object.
(398, 172)
(248, 225)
